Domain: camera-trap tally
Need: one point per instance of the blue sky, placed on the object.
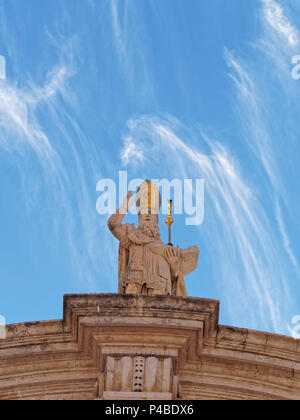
(160, 88)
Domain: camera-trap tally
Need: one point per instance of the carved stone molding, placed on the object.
(160, 347)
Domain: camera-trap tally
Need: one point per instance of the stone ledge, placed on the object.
(39, 359)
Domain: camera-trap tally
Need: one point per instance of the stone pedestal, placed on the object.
(140, 342)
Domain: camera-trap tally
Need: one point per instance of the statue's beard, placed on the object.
(151, 230)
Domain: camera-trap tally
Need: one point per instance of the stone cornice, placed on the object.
(66, 358)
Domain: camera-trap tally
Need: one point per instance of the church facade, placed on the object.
(130, 347)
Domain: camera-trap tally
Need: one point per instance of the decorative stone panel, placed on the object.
(139, 377)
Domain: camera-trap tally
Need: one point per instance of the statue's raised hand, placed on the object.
(172, 256)
(127, 202)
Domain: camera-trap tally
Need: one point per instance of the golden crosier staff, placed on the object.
(169, 220)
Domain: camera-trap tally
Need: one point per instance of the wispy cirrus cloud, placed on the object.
(44, 126)
(285, 239)
(253, 115)
(18, 120)
(280, 40)
(256, 107)
(118, 32)
(131, 152)
(60, 153)
(256, 133)
(275, 17)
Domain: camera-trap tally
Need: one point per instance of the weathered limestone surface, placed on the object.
(111, 346)
(148, 266)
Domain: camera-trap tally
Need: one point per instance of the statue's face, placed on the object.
(148, 223)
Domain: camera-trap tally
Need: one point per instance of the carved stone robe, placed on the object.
(142, 262)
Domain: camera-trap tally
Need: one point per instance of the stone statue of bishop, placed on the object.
(146, 264)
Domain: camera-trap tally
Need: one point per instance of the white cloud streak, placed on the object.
(275, 17)
(72, 208)
(254, 96)
(117, 30)
(253, 116)
(131, 152)
(279, 41)
(285, 239)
